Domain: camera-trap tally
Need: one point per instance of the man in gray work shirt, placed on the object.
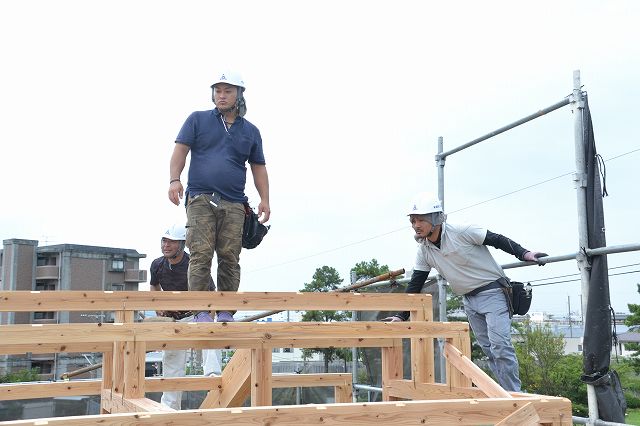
(460, 254)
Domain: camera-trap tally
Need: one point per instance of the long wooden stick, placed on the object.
(382, 277)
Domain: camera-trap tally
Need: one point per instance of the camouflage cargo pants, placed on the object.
(214, 229)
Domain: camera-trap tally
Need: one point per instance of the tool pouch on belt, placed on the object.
(253, 231)
(518, 296)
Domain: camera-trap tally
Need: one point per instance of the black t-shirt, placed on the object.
(172, 277)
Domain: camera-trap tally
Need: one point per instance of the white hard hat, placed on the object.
(425, 203)
(230, 77)
(176, 233)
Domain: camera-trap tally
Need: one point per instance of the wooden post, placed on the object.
(261, 377)
(107, 378)
(422, 369)
(119, 348)
(392, 367)
(454, 377)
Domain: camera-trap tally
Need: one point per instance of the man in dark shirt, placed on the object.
(169, 273)
(220, 142)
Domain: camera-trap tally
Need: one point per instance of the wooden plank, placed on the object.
(32, 390)
(261, 372)
(392, 367)
(30, 301)
(454, 376)
(310, 380)
(119, 346)
(469, 369)
(551, 410)
(343, 393)
(134, 369)
(409, 389)
(188, 383)
(325, 333)
(117, 403)
(48, 348)
(361, 342)
(525, 416)
(235, 383)
(422, 354)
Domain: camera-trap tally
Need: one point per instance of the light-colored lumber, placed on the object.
(261, 368)
(47, 348)
(525, 416)
(392, 366)
(325, 333)
(475, 373)
(30, 301)
(409, 389)
(116, 403)
(555, 411)
(134, 369)
(32, 390)
(235, 383)
(422, 356)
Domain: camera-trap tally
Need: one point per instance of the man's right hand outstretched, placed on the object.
(176, 191)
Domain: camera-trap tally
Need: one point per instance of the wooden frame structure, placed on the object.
(469, 397)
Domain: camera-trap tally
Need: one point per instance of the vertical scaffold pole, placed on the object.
(442, 291)
(580, 180)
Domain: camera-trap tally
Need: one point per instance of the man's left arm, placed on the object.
(509, 246)
(261, 180)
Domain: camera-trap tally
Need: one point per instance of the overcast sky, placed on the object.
(350, 98)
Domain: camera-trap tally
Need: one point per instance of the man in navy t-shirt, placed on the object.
(221, 142)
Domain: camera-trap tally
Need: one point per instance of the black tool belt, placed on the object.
(178, 315)
(494, 284)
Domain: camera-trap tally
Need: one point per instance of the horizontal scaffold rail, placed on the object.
(47, 301)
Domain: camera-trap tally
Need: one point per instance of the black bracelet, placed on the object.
(173, 180)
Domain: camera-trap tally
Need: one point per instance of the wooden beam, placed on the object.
(30, 301)
(261, 368)
(525, 416)
(392, 367)
(235, 384)
(556, 411)
(409, 389)
(475, 373)
(310, 380)
(134, 369)
(32, 390)
(116, 403)
(455, 377)
(422, 354)
(47, 348)
(325, 333)
(361, 342)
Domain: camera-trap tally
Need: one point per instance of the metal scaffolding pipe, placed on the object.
(533, 116)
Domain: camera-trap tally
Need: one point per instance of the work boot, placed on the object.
(202, 317)
(224, 316)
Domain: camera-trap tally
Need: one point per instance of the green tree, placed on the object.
(631, 320)
(325, 279)
(366, 270)
(539, 353)
(26, 375)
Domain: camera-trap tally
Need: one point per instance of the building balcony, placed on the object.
(135, 276)
(49, 272)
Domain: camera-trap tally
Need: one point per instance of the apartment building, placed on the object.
(26, 266)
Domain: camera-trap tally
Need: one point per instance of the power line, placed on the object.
(578, 279)
(573, 275)
(405, 227)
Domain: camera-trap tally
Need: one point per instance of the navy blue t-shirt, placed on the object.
(218, 157)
